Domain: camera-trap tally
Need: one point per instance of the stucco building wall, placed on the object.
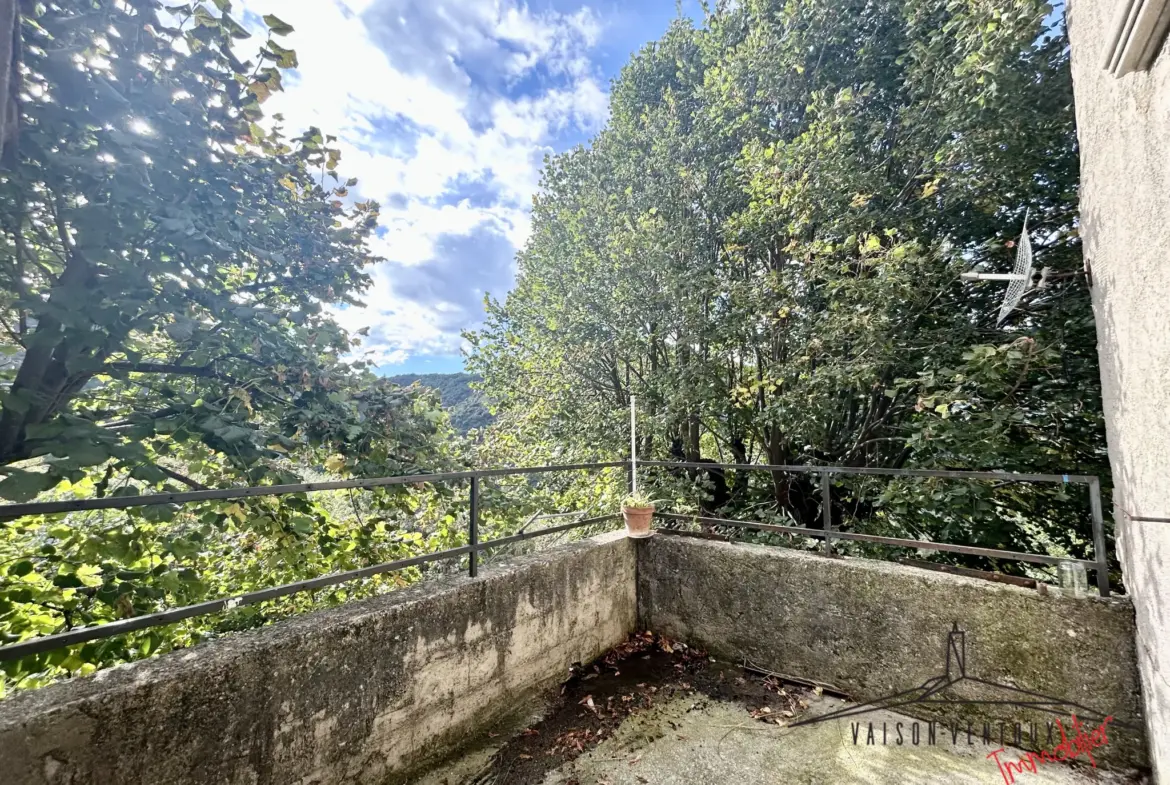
(1124, 129)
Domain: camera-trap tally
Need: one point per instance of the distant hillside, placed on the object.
(465, 404)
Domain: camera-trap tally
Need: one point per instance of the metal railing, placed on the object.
(474, 546)
(1100, 562)
(472, 549)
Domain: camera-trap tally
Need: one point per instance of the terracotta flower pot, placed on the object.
(638, 521)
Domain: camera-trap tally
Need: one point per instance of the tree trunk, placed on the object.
(739, 483)
(9, 81)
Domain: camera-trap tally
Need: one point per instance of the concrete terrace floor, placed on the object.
(718, 743)
(689, 742)
(651, 719)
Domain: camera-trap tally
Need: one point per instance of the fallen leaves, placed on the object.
(575, 740)
(765, 714)
(641, 643)
(598, 698)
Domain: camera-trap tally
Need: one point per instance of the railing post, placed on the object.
(473, 530)
(827, 511)
(1099, 537)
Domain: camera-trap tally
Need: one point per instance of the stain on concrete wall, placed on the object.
(366, 693)
(874, 628)
(378, 690)
(1124, 130)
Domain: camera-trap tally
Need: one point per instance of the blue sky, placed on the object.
(444, 110)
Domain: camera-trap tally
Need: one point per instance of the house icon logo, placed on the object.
(940, 691)
(1076, 731)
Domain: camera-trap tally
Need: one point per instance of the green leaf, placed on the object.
(22, 486)
(204, 17)
(83, 453)
(277, 26)
(148, 473)
(285, 58)
(233, 434)
(20, 569)
(68, 581)
(234, 28)
(180, 330)
(302, 524)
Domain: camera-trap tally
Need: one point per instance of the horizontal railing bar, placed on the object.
(544, 469)
(10, 511)
(772, 527)
(85, 634)
(854, 470)
(543, 517)
(926, 545)
(562, 527)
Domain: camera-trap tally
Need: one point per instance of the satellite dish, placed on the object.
(1019, 279)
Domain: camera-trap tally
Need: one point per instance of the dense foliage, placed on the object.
(167, 254)
(467, 407)
(764, 246)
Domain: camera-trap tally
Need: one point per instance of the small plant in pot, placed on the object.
(638, 510)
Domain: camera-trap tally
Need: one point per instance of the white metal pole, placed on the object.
(633, 448)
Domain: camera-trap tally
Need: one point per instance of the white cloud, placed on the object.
(412, 231)
(444, 110)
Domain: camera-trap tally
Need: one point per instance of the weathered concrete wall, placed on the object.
(1124, 131)
(362, 694)
(873, 628)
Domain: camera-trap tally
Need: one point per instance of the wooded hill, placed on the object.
(465, 405)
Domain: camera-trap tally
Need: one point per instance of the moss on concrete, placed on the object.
(366, 693)
(874, 628)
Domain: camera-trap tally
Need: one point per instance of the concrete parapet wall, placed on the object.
(874, 628)
(366, 693)
(376, 691)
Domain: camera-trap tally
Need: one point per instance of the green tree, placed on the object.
(168, 260)
(764, 245)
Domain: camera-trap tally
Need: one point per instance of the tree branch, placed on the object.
(202, 371)
(182, 478)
